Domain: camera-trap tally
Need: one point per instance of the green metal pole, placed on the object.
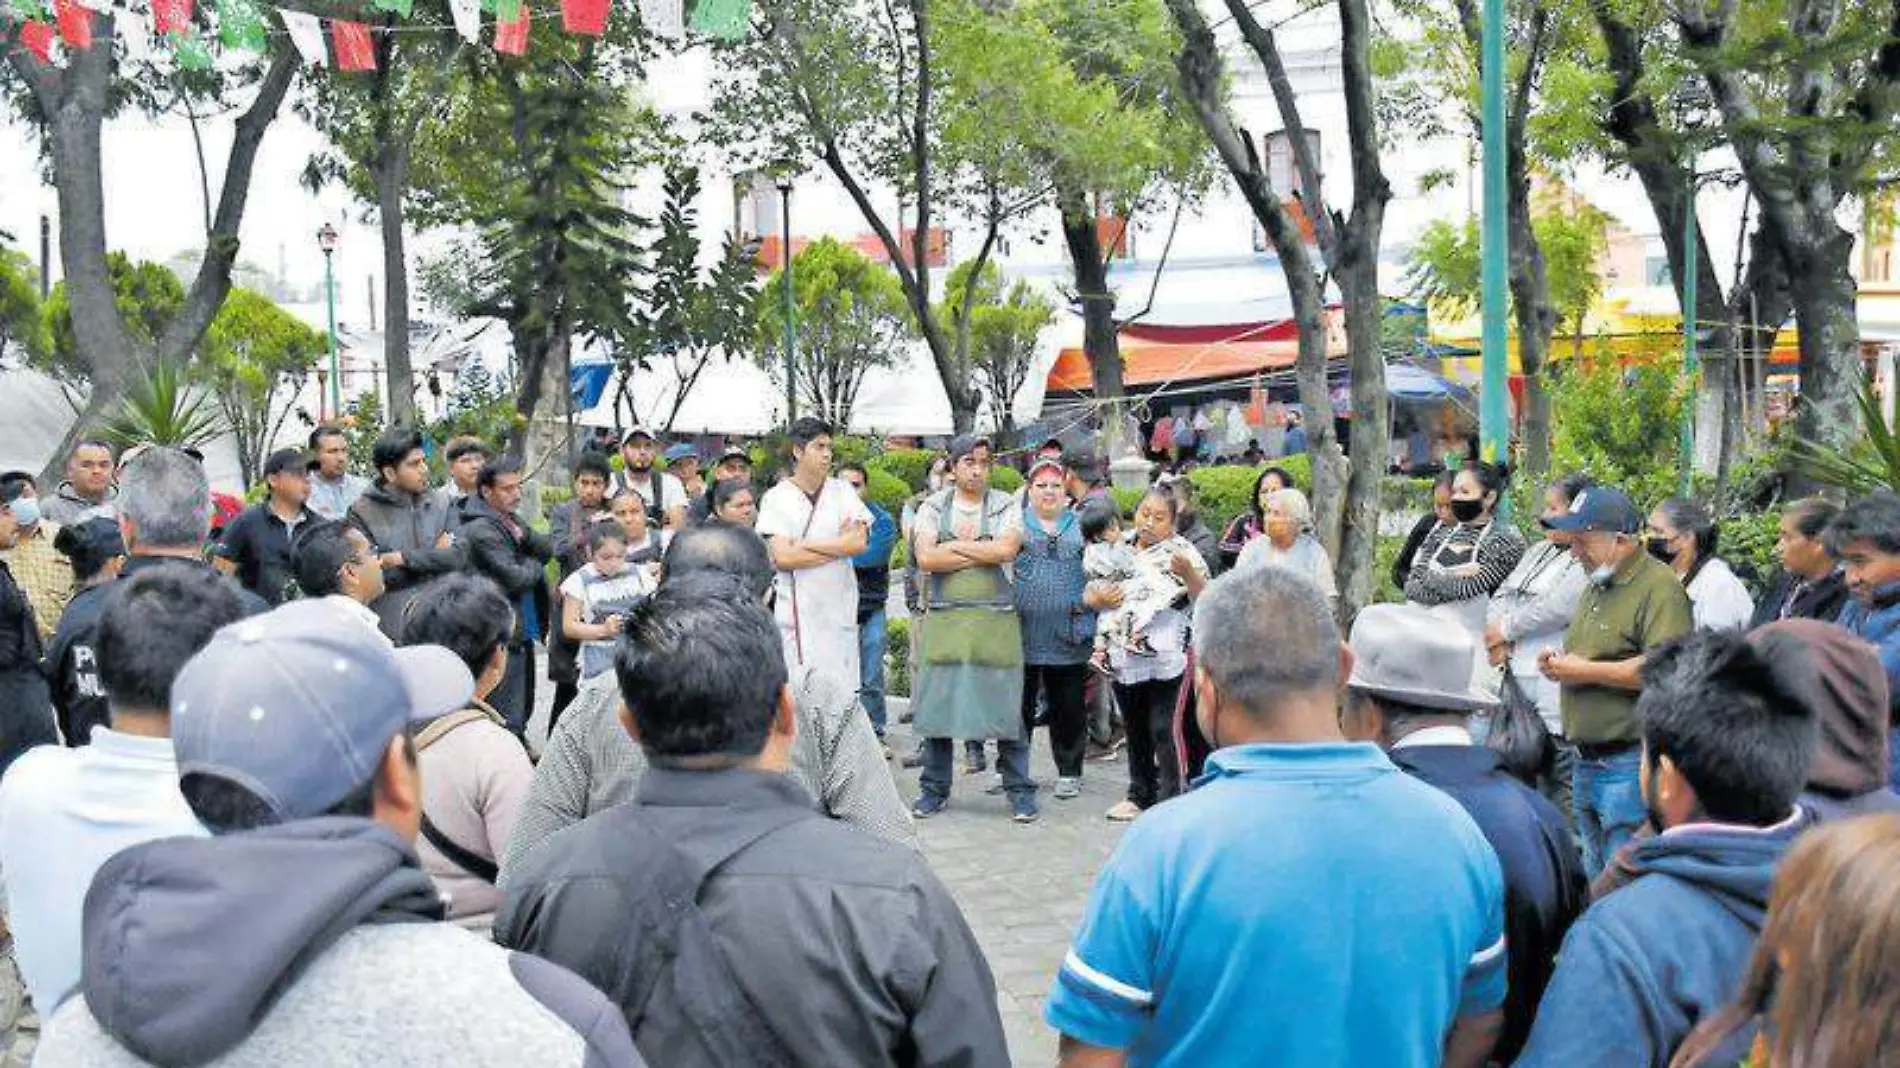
(329, 294)
(1690, 369)
(1494, 244)
(791, 322)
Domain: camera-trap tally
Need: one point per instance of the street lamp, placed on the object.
(326, 240)
(791, 326)
(1691, 101)
(1494, 242)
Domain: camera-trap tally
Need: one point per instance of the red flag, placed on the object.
(75, 23)
(584, 16)
(354, 50)
(170, 16)
(511, 38)
(37, 36)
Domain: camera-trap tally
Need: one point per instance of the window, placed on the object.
(757, 205)
(1283, 170)
(1656, 270)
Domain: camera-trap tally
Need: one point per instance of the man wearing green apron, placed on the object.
(969, 672)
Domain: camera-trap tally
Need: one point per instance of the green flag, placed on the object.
(394, 7)
(241, 25)
(727, 20)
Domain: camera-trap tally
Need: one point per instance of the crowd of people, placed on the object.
(1581, 801)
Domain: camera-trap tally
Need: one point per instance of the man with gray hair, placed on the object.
(1307, 902)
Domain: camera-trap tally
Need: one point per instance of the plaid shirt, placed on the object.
(45, 575)
(590, 764)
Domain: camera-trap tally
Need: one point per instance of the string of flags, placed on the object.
(342, 44)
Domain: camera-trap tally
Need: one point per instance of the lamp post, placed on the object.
(1493, 243)
(791, 325)
(326, 240)
(1691, 101)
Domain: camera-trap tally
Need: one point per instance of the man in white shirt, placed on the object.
(332, 488)
(63, 812)
(664, 494)
(815, 524)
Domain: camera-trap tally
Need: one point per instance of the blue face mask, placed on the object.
(26, 510)
(1602, 575)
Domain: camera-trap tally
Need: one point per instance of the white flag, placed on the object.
(664, 18)
(132, 28)
(468, 18)
(101, 6)
(306, 32)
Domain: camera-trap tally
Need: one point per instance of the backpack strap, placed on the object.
(469, 861)
(442, 725)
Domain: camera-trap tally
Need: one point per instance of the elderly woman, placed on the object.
(1682, 534)
(1289, 542)
(1252, 523)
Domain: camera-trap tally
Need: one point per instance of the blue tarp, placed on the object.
(1404, 382)
(588, 382)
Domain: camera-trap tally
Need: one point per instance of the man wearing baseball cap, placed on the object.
(1410, 693)
(1633, 604)
(665, 496)
(305, 930)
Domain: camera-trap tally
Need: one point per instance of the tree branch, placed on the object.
(1266, 48)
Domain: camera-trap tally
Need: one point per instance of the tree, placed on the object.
(685, 315)
(372, 122)
(256, 361)
(146, 300)
(22, 319)
(161, 407)
(862, 88)
(1004, 327)
(1346, 496)
(69, 105)
(850, 316)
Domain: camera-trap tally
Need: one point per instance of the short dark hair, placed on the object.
(1096, 517)
(593, 463)
(1492, 478)
(317, 436)
(855, 466)
(494, 469)
(725, 490)
(284, 460)
(392, 447)
(461, 446)
(724, 548)
(808, 429)
(153, 623)
(1165, 496)
(1569, 486)
(1874, 518)
(466, 614)
(1813, 515)
(89, 545)
(603, 532)
(95, 443)
(701, 669)
(12, 481)
(226, 807)
(1713, 705)
(1691, 518)
(317, 557)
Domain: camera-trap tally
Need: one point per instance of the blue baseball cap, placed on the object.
(682, 451)
(1602, 508)
(298, 705)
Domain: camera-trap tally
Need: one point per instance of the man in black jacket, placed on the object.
(409, 527)
(504, 548)
(1810, 585)
(801, 940)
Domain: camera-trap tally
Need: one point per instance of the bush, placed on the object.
(1620, 426)
(887, 491)
(910, 466)
(1385, 553)
(1007, 479)
(897, 647)
(1747, 542)
(1221, 493)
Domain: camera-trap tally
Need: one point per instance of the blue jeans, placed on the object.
(871, 669)
(1607, 798)
(1012, 760)
(1893, 757)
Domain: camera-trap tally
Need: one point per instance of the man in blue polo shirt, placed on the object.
(1308, 903)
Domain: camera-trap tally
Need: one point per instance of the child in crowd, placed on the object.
(1146, 589)
(601, 593)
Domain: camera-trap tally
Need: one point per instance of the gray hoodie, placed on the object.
(313, 943)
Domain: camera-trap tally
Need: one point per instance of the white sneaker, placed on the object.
(1067, 788)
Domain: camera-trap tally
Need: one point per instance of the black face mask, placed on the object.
(1661, 550)
(1466, 511)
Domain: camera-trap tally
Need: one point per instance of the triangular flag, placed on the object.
(508, 10)
(28, 10)
(468, 18)
(727, 20)
(307, 34)
(37, 36)
(511, 38)
(664, 18)
(170, 16)
(354, 50)
(240, 25)
(190, 51)
(136, 35)
(584, 16)
(75, 23)
(394, 7)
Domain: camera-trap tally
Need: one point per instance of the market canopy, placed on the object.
(1157, 354)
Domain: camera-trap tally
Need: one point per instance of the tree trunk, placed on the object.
(392, 175)
(1371, 429)
(1536, 318)
(1101, 342)
(1824, 308)
(547, 442)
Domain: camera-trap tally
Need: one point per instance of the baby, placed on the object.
(1145, 587)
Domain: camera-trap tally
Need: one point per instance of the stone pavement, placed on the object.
(1022, 888)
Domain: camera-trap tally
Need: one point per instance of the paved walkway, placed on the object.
(1022, 888)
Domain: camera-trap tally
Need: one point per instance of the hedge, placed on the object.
(887, 491)
(909, 466)
(897, 648)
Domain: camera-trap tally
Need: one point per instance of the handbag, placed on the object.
(1518, 735)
